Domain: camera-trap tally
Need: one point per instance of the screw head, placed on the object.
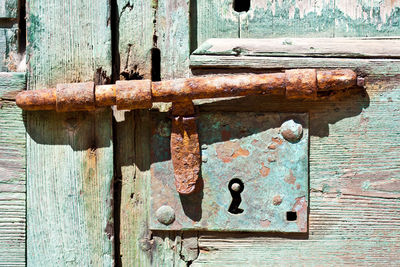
(291, 131)
(165, 215)
(236, 187)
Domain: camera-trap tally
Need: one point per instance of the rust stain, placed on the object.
(134, 94)
(277, 140)
(272, 146)
(301, 83)
(264, 171)
(298, 186)
(254, 142)
(229, 150)
(75, 96)
(277, 200)
(301, 208)
(290, 179)
(265, 223)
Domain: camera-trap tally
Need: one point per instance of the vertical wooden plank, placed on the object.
(12, 172)
(136, 29)
(132, 167)
(135, 38)
(214, 19)
(367, 18)
(288, 19)
(173, 31)
(140, 247)
(173, 38)
(69, 155)
(8, 48)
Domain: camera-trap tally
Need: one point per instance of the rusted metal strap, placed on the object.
(185, 148)
(140, 94)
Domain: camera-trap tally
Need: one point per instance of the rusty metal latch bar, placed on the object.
(140, 94)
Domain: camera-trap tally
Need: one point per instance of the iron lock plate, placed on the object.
(243, 147)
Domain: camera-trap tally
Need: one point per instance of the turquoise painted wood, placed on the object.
(69, 155)
(8, 8)
(354, 170)
(12, 172)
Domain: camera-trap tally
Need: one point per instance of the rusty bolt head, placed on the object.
(236, 187)
(291, 131)
(165, 215)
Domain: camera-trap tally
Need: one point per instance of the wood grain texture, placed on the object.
(379, 66)
(140, 247)
(8, 48)
(303, 47)
(8, 8)
(135, 38)
(69, 155)
(321, 18)
(172, 29)
(214, 19)
(12, 172)
(132, 167)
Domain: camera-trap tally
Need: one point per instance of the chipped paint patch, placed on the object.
(230, 150)
(264, 171)
(290, 179)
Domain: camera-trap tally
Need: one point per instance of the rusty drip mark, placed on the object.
(185, 148)
(140, 94)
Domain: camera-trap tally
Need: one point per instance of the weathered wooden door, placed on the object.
(354, 160)
(88, 174)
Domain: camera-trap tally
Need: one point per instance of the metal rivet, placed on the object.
(165, 215)
(236, 187)
(291, 131)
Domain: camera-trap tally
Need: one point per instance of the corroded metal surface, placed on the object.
(219, 86)
(134, 94)
(185, 149)
(106, 95)
(245, 146)
(336, 79)
(75, 96)
(301, 83)
(44, 99)
(140, 94)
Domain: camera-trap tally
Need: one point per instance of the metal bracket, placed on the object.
(254, 174)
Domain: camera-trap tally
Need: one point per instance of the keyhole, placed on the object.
(241, 5)
(236, 187)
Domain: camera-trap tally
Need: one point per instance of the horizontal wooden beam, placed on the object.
(387, 47)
